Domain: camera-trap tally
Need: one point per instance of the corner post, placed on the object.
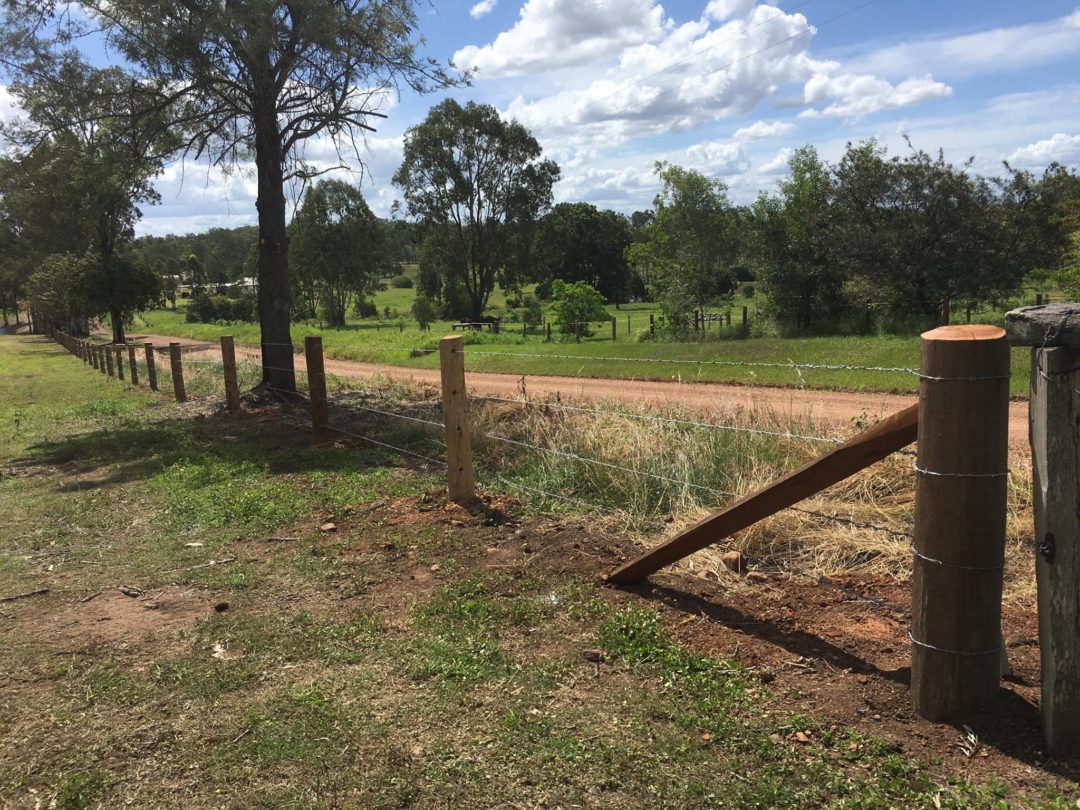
(460, 485)
(1053, 332)
(960, 511)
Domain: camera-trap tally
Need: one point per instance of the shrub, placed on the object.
(748, 290)
(424, 310)
(402, 282)
(365, 308)
(577, 304)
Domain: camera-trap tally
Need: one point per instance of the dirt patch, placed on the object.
(111, 617)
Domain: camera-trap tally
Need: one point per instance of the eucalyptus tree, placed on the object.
(477, 183)
(77, 175)
(250, 82)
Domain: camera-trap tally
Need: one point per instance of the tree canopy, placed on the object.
(247, 81)
(578, 242)
(476, 182)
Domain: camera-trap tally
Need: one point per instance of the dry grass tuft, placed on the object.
(863, 524)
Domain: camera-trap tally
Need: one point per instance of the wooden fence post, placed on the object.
(316, 385)
(745, 320)
(1054, 412)
(652, 324)
(960, 510)
(728, 316)
(176, 365)
(109, 361)
(549, 332)
(232, 385)
(628, 324)
(151, 367)
(614, 329)
(133, 365)
(459, 464)
(93, 356)
(946, 312)
(120, 362)
(101, 353)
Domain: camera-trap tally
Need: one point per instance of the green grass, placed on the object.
(723, 357)
(336, 677)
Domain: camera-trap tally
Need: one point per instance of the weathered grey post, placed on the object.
(459, 464)
(101, 358)
(151, 367)
(120, 362)
(960, 511)
(109, 361)
(93, 355)
(133, 364)
(1053, 331)
(316, 374)
(232, 385)
(176, 364)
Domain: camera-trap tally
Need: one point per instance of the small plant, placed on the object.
(401, 282)
(424, 311)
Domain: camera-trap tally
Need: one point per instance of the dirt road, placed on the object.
(833, 409)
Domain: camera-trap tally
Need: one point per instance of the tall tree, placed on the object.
(336, 247)
(82, 171)
(478, 182)
(691, 242)
(251, 81)
(793, 248)
(578, 242)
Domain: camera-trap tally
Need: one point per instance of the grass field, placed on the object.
(626, 357)
(402, 658)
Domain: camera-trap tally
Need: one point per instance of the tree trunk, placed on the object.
(275, 311)
(117, 326)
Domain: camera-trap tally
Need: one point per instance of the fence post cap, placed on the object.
(974, 331)
(1044, 326)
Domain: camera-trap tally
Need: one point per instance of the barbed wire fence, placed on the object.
(639, 466)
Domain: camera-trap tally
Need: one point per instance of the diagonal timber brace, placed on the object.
(856, 454)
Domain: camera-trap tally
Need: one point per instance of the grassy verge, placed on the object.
(390, 661)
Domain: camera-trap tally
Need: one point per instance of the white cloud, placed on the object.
(717, 158)
(482, 8)
(1018, 46)
(552, 34)
(760, 129)
(695, 74)
(779, 164)
(1059, 147)
(721, 10)
(855, 95)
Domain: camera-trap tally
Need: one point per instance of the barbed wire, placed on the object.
(607, 464)
(429, 422)
(740, 363)
(662, 419)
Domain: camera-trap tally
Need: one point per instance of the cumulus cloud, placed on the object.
(1059, 147)
(482, 8)
(779, 163)
(855, 95)
(717, 157)
(760, 129)
(721, 10)
(695, 74)
(552, 34)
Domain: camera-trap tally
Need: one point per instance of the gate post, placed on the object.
(1053, 331)
(960, 509)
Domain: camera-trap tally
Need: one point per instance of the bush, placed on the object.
(748, 290)
(423, 309)
(575, 306)
(402, 282)
(365, 308)
(206, 309)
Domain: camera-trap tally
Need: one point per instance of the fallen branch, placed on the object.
(203, 565)
(91, 596)
(13, 597)
(282, 539)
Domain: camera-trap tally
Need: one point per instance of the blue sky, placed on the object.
(728, 87)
